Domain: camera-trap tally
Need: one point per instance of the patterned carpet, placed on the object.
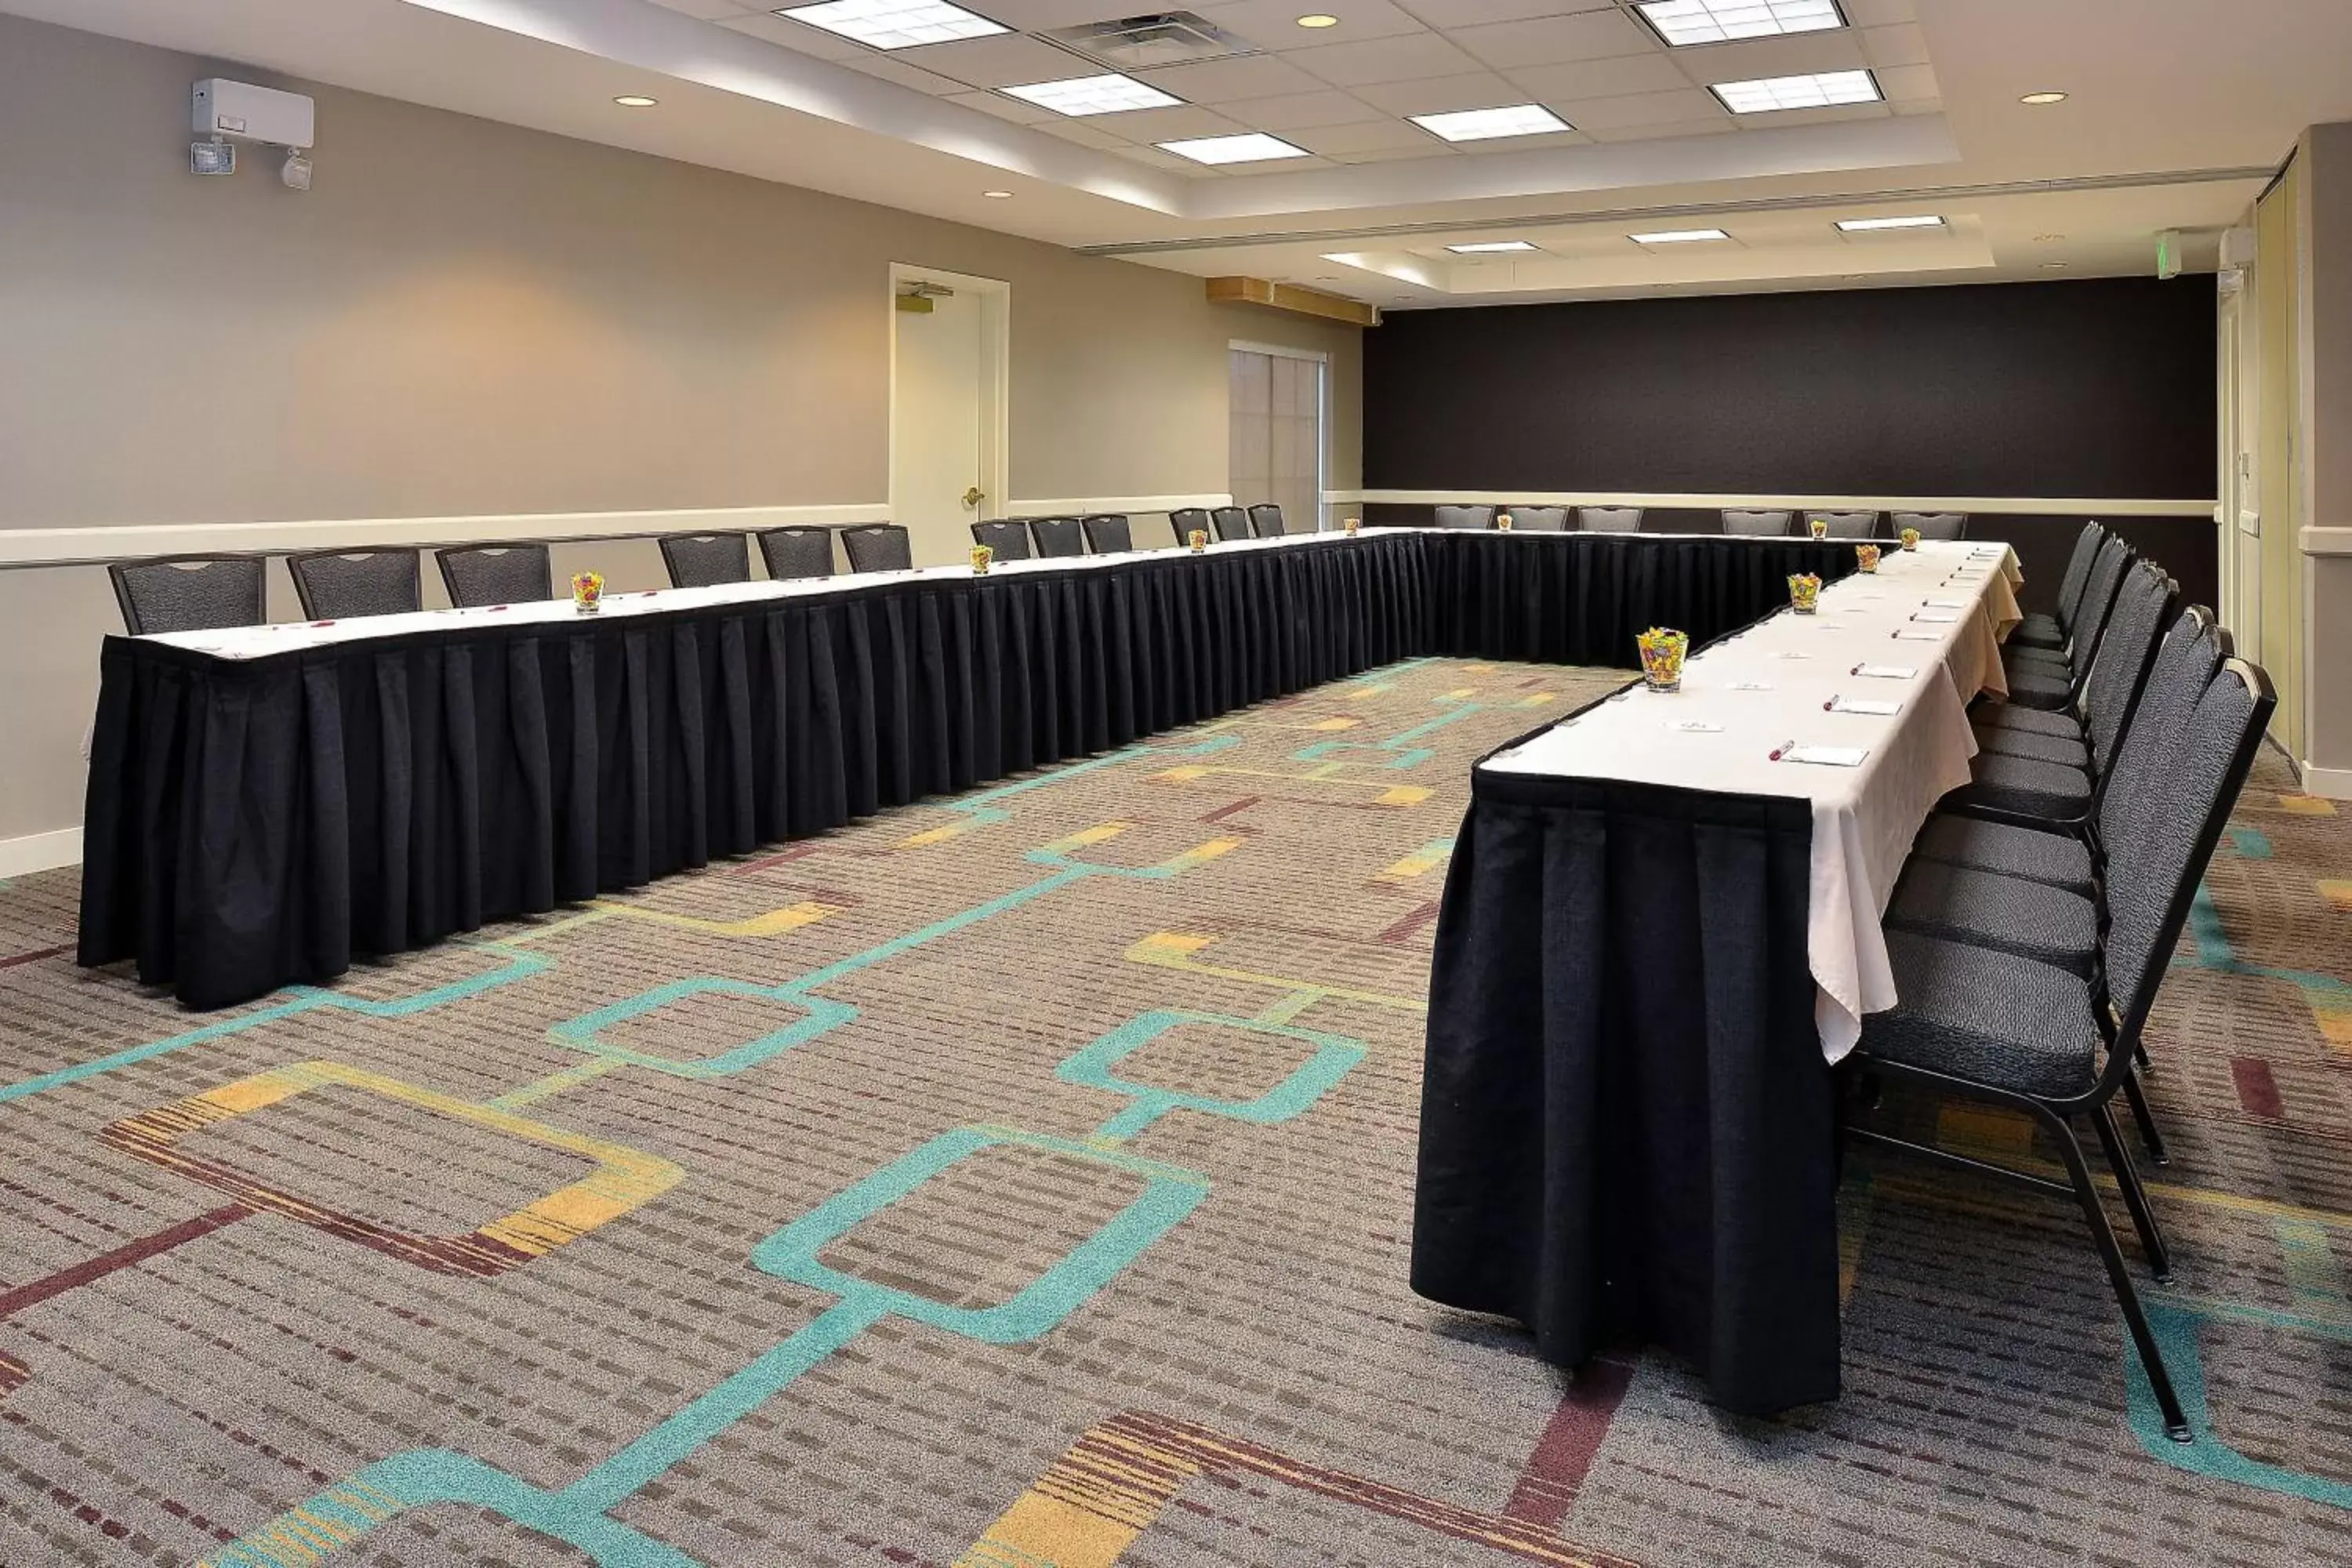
(1022, 1181)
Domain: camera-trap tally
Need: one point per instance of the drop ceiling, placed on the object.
(2176, 111)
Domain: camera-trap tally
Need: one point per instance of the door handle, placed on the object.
(974, 496)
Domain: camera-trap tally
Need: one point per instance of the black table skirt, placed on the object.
(1627, 1129)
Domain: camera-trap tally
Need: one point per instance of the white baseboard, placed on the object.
(40, 852)
(2336, 784)
(81, 546)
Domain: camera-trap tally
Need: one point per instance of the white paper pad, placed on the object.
(1876, 707)
(1887, 671)
(1827, 756)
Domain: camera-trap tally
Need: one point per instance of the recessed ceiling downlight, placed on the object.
(636, 100)
(2042, 100)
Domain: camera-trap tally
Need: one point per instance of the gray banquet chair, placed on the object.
(2045, 629)
(482, 574)
(1846, 524)
(1232, 522)
(1759, 522)
(706, 560)
(1058, 538)
(1187, 520)
(1933, 524)
(1539, 518)
(878, 547)
(1609, 519)
(188, 593)
(800, 550)
(1465, 517)
(1108, 533)
(1009, 540)
(1265, 520)
(336, 583)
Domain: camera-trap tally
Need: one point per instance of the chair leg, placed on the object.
(2175, 1423)
(2148, 1135)
(2139, 1056)
(2111, 1139)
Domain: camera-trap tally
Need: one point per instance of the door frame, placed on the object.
(1322, 412)
(996, 296)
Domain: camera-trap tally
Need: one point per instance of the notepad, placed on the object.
(1790, 653)
(1873, 706)
(1936, 617)
(1694, 727)
(1827, 756)
(1918, 636)
(1946, 604)
(1751, 686)
(1887, 671)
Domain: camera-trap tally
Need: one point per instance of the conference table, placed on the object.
(268, 804)
(1661, 929)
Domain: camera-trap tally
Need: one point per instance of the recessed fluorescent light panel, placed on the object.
(1875, 225)
(1253, 148)
(1080, 95)
(1485, 124)
(896, 24)
(1681, 22)
(1680, 237)
(1816, 90)
(1490, 247)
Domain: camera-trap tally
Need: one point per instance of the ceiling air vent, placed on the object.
(1156, 38)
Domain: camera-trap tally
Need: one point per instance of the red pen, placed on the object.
(1781, 750)
(322, 623)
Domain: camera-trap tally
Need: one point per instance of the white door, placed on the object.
(940, 415)
(1276, 444)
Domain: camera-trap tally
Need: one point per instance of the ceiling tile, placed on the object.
(1232, 81)
(1003, 108)
(1385, 60)
(1452, 14)
(797, 35)
(1898, 46)
(1602, 78)
(1588, 36)
(1298, 110)
(1169, 124)
(1084, 132)
(1570, 138)
(1395, 154)
(1877, 13)
(1035, 15)
(1376, 136)
(706, 10)
(905, 75)
(1273, 24)
(1442, 94)
(1006, 59)
(1721, 125)
(1791, 53)
(1907, 84)
(1599, 114)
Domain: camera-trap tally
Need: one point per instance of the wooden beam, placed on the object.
(1291, 297)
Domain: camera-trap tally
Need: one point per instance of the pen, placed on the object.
(1782, 750)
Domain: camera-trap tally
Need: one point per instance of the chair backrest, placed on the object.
(188, 593)
(480, 574)
(1265, 520)
(1933, 524)
(2184, 665)
(706, 560)
(1539, 518)
(1109, 533)
(800, 550)
(336, 583)
(1009, 540)
(1057, 537)
(1609, 519)
(2153, 873)
(2098, 599)
(1465, 517)
(1187, 520)
(878, 547)
(2144, 608)
(1232, 522)
(1846, 524)
(2078, 572)
(1756, 521)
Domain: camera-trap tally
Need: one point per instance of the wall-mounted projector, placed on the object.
(227, 112)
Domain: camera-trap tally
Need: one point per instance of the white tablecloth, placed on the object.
(1865, 817)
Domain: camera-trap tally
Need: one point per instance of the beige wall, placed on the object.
(466, 319)
(2326, 157)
